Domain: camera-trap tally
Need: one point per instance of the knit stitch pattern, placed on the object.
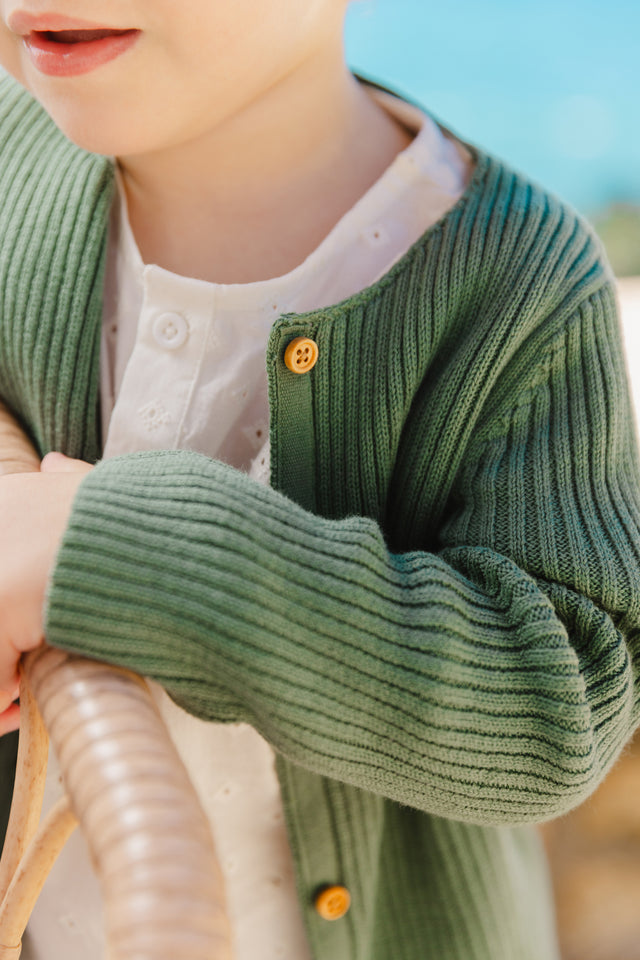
(433, 614)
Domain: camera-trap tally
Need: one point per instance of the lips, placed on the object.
(69, 49)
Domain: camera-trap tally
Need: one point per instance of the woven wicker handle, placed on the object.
(148, 836)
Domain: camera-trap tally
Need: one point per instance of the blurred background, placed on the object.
(553, 87)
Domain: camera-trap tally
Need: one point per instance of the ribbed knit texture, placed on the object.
(434, 615)
(53, 223)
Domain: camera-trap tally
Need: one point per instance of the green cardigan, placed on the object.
(433, 614)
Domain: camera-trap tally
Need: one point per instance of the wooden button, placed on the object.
(301, 355)
(333, 902)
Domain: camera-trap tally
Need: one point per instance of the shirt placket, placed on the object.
(162, 369)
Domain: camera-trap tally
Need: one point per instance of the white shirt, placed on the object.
(183, 367)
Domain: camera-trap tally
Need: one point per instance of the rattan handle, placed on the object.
(148, 836)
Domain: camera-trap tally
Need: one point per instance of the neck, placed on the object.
(255, 196)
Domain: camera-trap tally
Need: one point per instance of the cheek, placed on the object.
(241, 39)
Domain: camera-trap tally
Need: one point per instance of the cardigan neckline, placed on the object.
(58, 178)
(482, 161)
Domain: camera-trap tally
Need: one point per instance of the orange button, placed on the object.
(333, 902)
(301, 355)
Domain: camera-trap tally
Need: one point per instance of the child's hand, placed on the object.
(34, 511)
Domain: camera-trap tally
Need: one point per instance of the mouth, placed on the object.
(74, 36)
(60, 47)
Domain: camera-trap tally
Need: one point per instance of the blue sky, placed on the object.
(552, 86)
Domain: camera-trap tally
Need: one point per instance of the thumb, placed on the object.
(56, 462)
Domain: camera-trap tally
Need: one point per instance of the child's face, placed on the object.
(185, 68)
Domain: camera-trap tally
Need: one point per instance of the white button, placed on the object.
(170, 330)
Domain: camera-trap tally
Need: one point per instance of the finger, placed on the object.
(10, 719)
(56, 462)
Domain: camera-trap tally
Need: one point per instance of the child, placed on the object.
(421, 638)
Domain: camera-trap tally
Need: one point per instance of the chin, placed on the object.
(93, 129)
(96, 121)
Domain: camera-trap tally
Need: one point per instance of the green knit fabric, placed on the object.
(433, 614)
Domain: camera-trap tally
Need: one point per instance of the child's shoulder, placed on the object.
(515, 212)
(507, 238)
(515, 246)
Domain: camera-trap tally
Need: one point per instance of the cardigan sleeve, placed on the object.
(493, 679)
